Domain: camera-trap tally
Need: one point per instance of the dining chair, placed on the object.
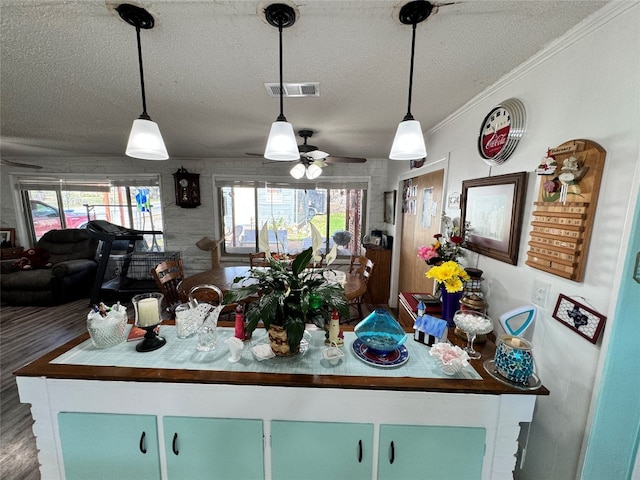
(258, 260)
(167, 275)
(363, 268)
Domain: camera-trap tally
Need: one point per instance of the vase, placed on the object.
(450, 304)
(279, 341)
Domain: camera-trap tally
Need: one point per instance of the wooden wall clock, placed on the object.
(187, 187)
(501, 131)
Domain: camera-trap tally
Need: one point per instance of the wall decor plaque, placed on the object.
(579, 318)
(565, 207)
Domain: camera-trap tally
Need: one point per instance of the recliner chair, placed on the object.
(72, 254)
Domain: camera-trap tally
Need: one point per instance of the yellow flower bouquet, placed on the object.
(449, 274)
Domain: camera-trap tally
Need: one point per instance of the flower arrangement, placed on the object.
(450, 274)
(288, 294)
(446, 248)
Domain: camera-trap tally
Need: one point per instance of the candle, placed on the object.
(515, 342)
(148, 312)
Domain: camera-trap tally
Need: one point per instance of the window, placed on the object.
(132, 202)
(335, 208)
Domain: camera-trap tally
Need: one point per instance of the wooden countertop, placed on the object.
(488, 386)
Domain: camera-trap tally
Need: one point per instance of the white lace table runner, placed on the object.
(182, 354)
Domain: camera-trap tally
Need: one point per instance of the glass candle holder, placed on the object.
(148, 310)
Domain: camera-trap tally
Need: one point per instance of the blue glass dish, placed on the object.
(380, 332)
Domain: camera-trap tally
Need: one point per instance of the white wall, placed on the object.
(586, 86)
(184, 227)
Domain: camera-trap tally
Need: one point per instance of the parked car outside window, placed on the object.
(46, 217)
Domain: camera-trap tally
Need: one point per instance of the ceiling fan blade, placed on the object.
(9, 163)
(279, 161)
(317, 155)
(333, 159)
(319, 163)
(254, 154)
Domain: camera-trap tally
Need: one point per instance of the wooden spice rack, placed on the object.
(561, 226)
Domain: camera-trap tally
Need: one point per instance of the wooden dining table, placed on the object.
(223, 278)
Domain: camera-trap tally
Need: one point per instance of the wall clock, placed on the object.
(187, 188)
(501, 131)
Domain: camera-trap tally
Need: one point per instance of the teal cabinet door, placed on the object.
(213, 448)
(424, 452)
(321, 451)
(101, 446)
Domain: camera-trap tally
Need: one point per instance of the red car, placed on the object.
(45, 218)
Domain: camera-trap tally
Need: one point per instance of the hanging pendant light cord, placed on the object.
(144, 114)
(281, 117)
(408, 116)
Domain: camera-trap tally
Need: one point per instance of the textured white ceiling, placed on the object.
(70, 84)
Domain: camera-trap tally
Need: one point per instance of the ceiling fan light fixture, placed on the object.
(281, 144)
(408, 143)
(145, 140)
(298, 171)
(313, 171)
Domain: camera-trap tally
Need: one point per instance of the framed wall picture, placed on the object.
(390, 207)
(491, 213)
(7, 237)
(583, 320)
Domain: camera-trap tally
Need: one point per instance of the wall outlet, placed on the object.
(540, 293)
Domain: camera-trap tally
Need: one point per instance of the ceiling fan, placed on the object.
(313, 160)
(10, 163)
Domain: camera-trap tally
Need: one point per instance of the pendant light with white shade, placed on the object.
(281, 144)
(408, 143)
(145, 140)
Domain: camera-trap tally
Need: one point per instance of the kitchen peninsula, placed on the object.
(176, 420)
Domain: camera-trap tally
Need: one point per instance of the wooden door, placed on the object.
(422, 210)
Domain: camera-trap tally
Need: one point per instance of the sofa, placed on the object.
(68, 274)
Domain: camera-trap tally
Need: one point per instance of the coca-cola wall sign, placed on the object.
(501, 131)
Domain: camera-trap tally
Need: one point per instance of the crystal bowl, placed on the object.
(473, 322)
(380, 332)
(450, 358)
(110, 330)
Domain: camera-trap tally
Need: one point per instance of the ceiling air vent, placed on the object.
(307, 89)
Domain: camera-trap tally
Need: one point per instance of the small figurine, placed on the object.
(334, 330)
(547, 165)
(235, 347)
(570, 176)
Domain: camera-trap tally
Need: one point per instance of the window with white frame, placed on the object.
(335, 206)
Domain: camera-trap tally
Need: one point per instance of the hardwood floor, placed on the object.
(27, 333)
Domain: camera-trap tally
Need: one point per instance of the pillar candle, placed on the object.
(148, 312)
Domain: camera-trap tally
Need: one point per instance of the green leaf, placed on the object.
(295, 331)
(301, 261)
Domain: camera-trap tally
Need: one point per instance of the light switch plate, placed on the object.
(540, 293)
